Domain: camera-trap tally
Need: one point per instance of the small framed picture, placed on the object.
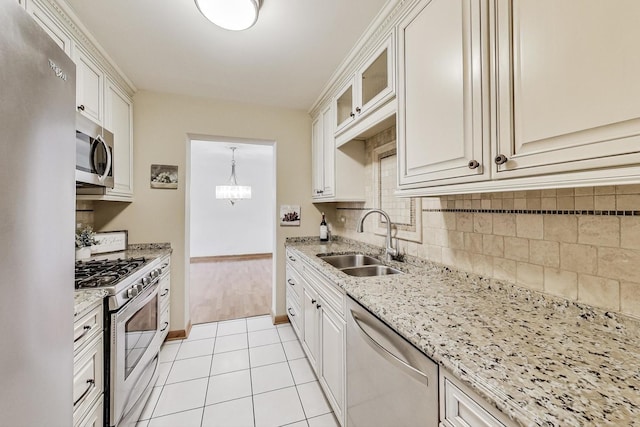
(164, 176)
(290, 215)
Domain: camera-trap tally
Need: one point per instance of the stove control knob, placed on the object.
(132, 292)
(159, 270)
(139, 287)
(145, 281)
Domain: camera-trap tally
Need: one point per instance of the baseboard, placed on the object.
(179, 334)
(278, 320)
(230, 258)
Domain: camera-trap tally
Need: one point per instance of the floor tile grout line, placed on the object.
(206, 391)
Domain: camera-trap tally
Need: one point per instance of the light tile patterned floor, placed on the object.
(237, 373)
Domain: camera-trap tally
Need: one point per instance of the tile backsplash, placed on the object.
(84, 214)
(582, 244)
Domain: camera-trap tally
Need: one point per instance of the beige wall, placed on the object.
(162, 123)
(535, 239)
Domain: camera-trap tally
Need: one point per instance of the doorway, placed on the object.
(231, 241)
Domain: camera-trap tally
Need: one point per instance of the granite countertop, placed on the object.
(86, 299)
(540, 360)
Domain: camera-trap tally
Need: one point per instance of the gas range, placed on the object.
(121, 278)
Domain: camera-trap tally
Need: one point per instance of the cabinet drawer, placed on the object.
(294, 283)
(95, 417)
(460, 409)
(87, 378)
(328, 291)
(294, 313)
(294, 261)
(87, 327)
(165, 321)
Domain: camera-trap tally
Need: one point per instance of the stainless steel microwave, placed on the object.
(94, 154)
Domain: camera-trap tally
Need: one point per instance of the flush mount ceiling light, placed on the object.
(230, 14)
(233, 191)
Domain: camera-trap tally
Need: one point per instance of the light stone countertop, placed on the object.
(87, 299)
(540, 360)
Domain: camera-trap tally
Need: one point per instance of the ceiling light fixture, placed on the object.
(233, 191)
(233, 15)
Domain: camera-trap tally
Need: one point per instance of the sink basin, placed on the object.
(370, 270)
(352, 260)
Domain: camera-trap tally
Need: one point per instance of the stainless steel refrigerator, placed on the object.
(37, 215)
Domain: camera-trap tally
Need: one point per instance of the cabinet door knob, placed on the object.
(501, 159)
(473, 164)
(292, 258)
(318, 306)
(358, 110)
(313, 301)
(81, 107)
(352, 115)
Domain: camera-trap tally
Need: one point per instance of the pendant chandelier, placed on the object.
(232, 191)
(233, 15)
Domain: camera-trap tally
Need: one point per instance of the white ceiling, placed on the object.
(284, 60)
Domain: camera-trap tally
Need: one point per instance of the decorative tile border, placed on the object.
(533, 211)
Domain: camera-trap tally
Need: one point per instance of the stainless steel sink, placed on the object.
(351, 260)
(370, 270)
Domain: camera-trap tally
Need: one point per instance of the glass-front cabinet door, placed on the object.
(372, 86)
(344, 106)
(376, 77)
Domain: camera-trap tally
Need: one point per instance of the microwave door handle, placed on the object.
(108, 168)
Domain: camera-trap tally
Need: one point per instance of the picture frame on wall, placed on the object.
(164, 176)
(290, 215)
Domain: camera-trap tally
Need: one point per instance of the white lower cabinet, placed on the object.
(317, 316)
(462, 407)
(88, 368)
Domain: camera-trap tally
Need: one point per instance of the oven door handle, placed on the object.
(135, 303)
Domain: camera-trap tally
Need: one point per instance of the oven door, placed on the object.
(134, 355)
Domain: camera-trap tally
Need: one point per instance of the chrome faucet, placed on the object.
(390, 250)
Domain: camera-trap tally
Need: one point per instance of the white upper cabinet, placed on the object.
(442, 110)
(118, 119)
(371, 86)
(323, 163)
(337, 173)
(568, 85)
(90, 81)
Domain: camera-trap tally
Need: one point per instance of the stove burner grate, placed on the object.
(103, 273)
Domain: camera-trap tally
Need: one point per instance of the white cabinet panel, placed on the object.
(119, 120)
(89, 87)
(333, 363)
(311, 325)
(441, 117)
(568, 85)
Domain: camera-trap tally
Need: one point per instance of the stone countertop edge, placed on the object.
(541, 360)
(85, 300)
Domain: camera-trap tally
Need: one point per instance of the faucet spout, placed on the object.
(390, 250)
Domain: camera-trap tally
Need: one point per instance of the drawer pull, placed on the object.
(318, 306)
(166, 291)
(91, 382)
(165, 326)
(291, 282)
(292, 258)
(86, 328)
(291, 313)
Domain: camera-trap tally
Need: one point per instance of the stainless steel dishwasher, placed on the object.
(389, 381)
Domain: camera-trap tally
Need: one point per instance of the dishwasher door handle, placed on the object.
(387, 355)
